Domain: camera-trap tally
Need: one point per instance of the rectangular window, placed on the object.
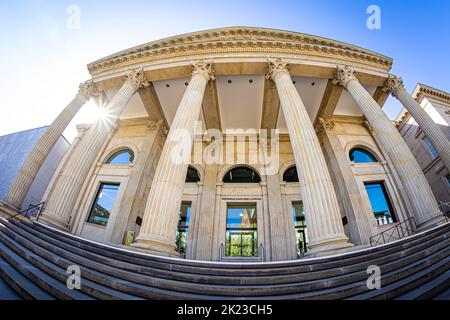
(447, 180)
(241, 235)
(183, 226)
(381, 205)
(301, 234)
(430, 147)
(104, 203)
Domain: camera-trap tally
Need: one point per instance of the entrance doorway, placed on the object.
(301, 234)
(241, 238)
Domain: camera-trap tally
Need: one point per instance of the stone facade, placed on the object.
(257, 100)
(436, 104)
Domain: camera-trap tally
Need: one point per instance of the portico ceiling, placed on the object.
(240, 101)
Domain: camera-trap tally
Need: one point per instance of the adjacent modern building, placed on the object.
(238, 144)
(14, 149)
(436, 103)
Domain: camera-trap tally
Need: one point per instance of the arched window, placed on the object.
(241, 175)
(359, 155)
(192, 175)
(290, 175)
(125, 156)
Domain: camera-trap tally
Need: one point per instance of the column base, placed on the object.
(6, 211)
(54, 221)
(9, 206)
(436, 220)
(329, 246)
(155, 246)
(351, 248)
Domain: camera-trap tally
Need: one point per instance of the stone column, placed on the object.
(61, 201)
(359, 225)
(158, 230)
(415, 184)
(430, 128)
(22, 183)
(323, 216)
(205, 226)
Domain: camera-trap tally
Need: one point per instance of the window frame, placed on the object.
(365, 151)
(387, 197)
(290, 168)
(181, 242)
(198, 174)
(300, 228)
(95, 201)
(446, 178)
(430, 148)
(115, 154)
(227, 247)
(259, 180)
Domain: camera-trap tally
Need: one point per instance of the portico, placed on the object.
(315, 163)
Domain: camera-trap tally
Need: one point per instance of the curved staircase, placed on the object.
(34, 259)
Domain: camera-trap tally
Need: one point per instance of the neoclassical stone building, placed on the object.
(436, 103)
(237, 143)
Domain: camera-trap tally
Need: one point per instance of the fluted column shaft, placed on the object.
(429, 127)
(325, 229)
(158, 230)
(33, 163)
(412, 177)
(61, 201)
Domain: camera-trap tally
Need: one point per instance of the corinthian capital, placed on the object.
(203, 68)
(344, 74)
(137, 79)
(276, 66)
(158, 126)
(88, 90)
(327, 123)
(393, 84)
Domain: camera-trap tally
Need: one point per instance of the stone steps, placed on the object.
(250, 269)
(429, 289)
(111, 266)
(444, 295)
(416, 266)
(52, 277)
(22, 287)
(6, 292)
(208, 290)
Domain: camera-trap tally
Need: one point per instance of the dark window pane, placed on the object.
(104, 203)
(241, 175)
(290, 175)
(183, 226)
(381, 205)
(430, 147)
(192, 175)
(301, 234)
(359, 155)
(121, 157)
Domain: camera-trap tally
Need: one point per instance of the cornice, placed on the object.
(425, 90)
(237, 40)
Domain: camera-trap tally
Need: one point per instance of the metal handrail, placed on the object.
(32, 211)
(396, 232)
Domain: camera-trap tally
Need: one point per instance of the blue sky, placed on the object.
(43, 61)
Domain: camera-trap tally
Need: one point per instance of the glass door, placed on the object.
(241, 239)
